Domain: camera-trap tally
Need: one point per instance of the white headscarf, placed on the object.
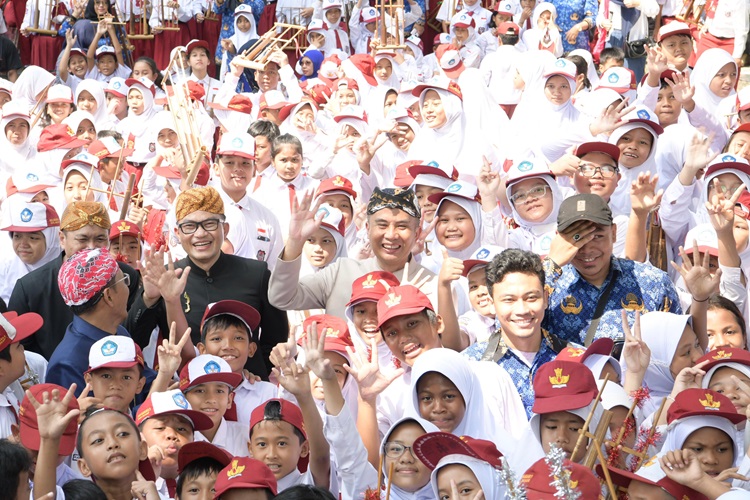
(30, 83)
(744, 369)
(489, 478)
(14, 156)
(341, 248)
(239, 38)
(680, 430)
(532, 38)
(591, 72)
(474, 209)
(393, 81)
(708, 64)
(74, 119)
(97, 91)
(503, 72)
(444, 142)
(424, 493)
(537, 236)
(619, 202)
(93, 177)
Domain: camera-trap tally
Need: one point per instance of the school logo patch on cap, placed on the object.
(117, 85)
(235, 470)
(180, 401)
(728, 158)
(709, 403)
(643, 114)
(370, 282)
(433, 163)
(393, 300)
(237, 142)
(109, 348)
(559, 380)
(32, 177)
(581, 206)
(482, 254)
(26, 215)
(560, 63)
(722, 355)
(525, 166)
(212, 367)
(613, 78)
(574, 352)
(324, 211)
(453, 188)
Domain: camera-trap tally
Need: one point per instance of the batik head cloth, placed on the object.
(204, 199)
(402, 199)
(85, 274)
(82, 213)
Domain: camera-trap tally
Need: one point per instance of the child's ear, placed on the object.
(141, 383)
(84, 467)
(143, 449)
(249, 449)
(15, 433)
(87, 378)
(201, 348)
(305, 449)
(231, 400)
(252, 349)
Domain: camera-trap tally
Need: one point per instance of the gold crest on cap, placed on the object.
(575, 352)
(393, 299)
(236, 469)
(330, 332)
(559, 380)
(370, 282)
(722, 355)
(338, 181)
(709, 403)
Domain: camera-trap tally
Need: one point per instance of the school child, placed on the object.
(469, 464)
(199, 464)
(287, 184)
(463, 31)
(164, 12)
(198, 60)
(245, 30)
(338, 192)
(167, 422)
(89, 96)
(539, 481)
(208, 384)
(13, 329)
(245, 478)
(59, 105)
(227, 332)
(16, 463)
(337, 39)
(411, 477)
(141, 111)
(116, 374)
(105, 62)
(544, 34)
(327, 244)
(726, 370)
(478, 323)
(350, 127)
(15, 127)
(362, 25)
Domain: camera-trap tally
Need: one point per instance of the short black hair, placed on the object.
(83, 489)
(266, 128)
(610, 53)
(222, 322)
(582, 68)
(272, 411)
(285, 140)
(14, 460)
(5, 354)
(509, 39)
(90, 412)
(114, 134)
(305, 492)
(510, 261)
(203, 466)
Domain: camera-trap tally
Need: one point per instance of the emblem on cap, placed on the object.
(643, 114)
(393, 299)
(324, 211)
(574, 352)
(453, 188)
(236, 469)
(212, 367)
(559, 380)
(109, 348)
(180, 401)
(370, 282)
(32, 177)
(124, 226)
(581, 206)
(728, 158)
(560, 63)
(433, 163)
(722, 355)
(117, 85)
(613, 78)
(330, 332)
(237, 142)
(709, 403)
(525, 166)
(483, 253)
(338, 181)
(26, 215)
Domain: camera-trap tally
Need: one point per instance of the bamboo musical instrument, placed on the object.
(47, 27)
(656, 242)
(210, 15)
(279, 37)
(138, 27)
(691, 13)
(170, 24)
(38, 109)
(391, 17)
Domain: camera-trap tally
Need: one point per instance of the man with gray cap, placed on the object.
(589, 287)
(393, 227)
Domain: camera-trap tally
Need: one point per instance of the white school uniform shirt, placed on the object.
(731, 21)
(183, 13)
(263, 239)
(210, 85)
(230, 436)
(120, 72)
(8, 412)
(391, 403)
(670, 8)
(249, 396)
(274, 195)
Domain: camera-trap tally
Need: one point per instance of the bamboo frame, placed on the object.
(110, 190)
(171, 24)
(36, 15)
(656, 242)
(280, 37)
(391, 16)
(138, 27)
(300, 37)
(210, 15)
(691, 13)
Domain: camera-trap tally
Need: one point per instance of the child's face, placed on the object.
(365, 319)
(58, 111)
(427, 207)
(440, 401)
(303, 117)
(116, 387)
(433, 111)
(500, 18)
(721, 382)
(262, 151)
(142, 69)
(612, 62)
(346, 97)
(111, 447)
(370, 26)
(272, 115)
(75, 188)
(538, 205)
(597, 184)
(528, 4)
(545, 18)
(349, 136)
(86, 102)
(131, 248)
(14, 369)
(642, 491)
(635, 146)
(344, 204)
(402, 139)
(337, 363)
(120, 104)
(667, 107)
(557, 90)
(739, 144)
(728, 184)
(288, 163)
(235, 172)
(333, 16)
(135, 101)
(409, 473)
(77, 66)
(107, 169)
(200, 487)
(307, 66)
(470, 3)
(722, 84)
(275, 443)
(743, 116)
(561, 428)
(29, 247)
(198, 59)
(466, 482)
(479, 296)
(723, 330)
(383, 69)
(677, 48)
(410, 335)
(231, 344)
(106, 64)
(688, 352)
(169, 433)
(390, 102)
(86, 131)
(454, 230)
(243, 24)
(619, 413)
(17, 131)
(4, 97)
(461, 34)
(714, 449)
(320, 248)
(211, 398)
(316, 39)
(167, 138)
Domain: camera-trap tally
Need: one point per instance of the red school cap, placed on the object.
(291, 414)
(432, 447)
(538, 481)
(400, 301)
(29, 426)
(245, 473)
(563, 386)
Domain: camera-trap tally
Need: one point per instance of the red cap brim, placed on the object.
(394, 312)
(30, 439)
(598, 147)
(230, 379)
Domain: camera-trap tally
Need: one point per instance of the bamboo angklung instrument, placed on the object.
(41, 21)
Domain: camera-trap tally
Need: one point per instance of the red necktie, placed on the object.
(528, 23)
(292, 194)
(258, 179)
(338, 40)
(171, 487)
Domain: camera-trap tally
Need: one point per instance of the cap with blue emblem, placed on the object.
(172, 403)
(114, 351)
(207, 368)
(28, 217)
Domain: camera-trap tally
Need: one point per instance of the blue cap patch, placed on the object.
(212, 367)
(26, 215)
(109, 348)
(180, 401)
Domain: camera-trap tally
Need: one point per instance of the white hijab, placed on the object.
(74, 119)
(443, 142)
(537, 236)
(489, 478)
(14, 156)
(619, 202)
(708, 64)
(97, 91)
(424, 493)
(591, 72)
(393, 81)
(474, 209)
(30, 83)
(680, 430)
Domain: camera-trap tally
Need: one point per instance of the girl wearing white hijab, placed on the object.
(301, 122)
(32, 221)
(544, 34)
(411, 478)
(724, 364)
(317, 249)
(387, 71)
(94, 101)
(139, 120)
(29, 88)
(156, 177)
(637, 140)
(591, 73)
(459, 228)
(83, 124)
(714, 77)
(15, 127)
(243, 13)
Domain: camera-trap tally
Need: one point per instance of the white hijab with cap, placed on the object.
(14, 156)
(536, 236)
(680, 430)
(474, 209)
(74, 120)
(706, 67)
(489, 477)
(341, 248)
(425, 492)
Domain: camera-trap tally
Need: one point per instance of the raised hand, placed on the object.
(720, 209)
(87, 399)
(610, 118)
(293, 377)
(314, 346)
(304, 221)
(152, 272)
(419, 243)
(565, 245)
(284, 352)
(70, 38)
(488, 183)
(682, 466)
(169, 351)
(370, 380)
(697, 156)
(643, 194)
(52, 413)
(697, 274)
(635, 351)
(656, 60)
(172, 281)
(141, 488)
(451, 270)
(683, 91)
(689, 378)
(566, 165)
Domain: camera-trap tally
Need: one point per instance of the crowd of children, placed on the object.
(511, 261)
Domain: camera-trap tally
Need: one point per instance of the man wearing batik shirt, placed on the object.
(515, 281)
(581, 272)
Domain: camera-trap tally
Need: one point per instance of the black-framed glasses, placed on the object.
(532, 194)
(395, 450)
(125, 278)
(590, 170)
(208, 225)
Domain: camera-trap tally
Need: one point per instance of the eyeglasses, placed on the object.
(208, 225)
(395, 450)
(590, 170)
(532, 194)
(125, 278)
